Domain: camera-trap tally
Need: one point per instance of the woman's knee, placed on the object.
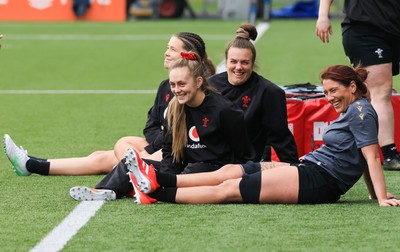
(230, 171)
(225, 168)
(229, 191)
(124, 141)
(102, 161)
(138, 143)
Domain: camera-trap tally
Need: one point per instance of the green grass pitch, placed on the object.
(128, 56)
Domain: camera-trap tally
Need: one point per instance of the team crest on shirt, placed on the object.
(379, 52)
(246, 100)
(205, 122)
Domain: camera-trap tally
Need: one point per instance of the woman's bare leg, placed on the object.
(272, 164)
(230, 171)
(156, 156)
(280, 185)
(99, 162)
(227, 191)
(226, 172)
(124, 143)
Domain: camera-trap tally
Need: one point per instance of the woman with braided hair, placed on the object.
(102, 162)
(204, 131)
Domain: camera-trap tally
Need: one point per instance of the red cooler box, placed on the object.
(308, 118)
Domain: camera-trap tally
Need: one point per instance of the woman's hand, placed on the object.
(389, 202)
(388, 196)
(323, 29)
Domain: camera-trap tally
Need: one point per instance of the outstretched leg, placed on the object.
(269, 186)
(98, 162)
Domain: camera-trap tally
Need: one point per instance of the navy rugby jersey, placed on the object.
(216, 135)
(153, 130)
(265, 114)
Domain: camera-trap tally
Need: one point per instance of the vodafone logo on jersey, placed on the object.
(194, 136)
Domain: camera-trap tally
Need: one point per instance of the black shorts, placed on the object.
(368, 45)
(200, 167)
(316, 185)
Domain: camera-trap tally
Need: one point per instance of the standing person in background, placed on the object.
(263, 102)
(371, 38)
(102, 162)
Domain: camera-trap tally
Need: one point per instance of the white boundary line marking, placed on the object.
(61, 234)
(78, 218)
(261, 29)
(30, 92)
(97, 37)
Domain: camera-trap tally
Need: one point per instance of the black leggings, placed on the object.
(117, 180)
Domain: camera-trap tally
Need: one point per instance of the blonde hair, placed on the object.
(176, 115)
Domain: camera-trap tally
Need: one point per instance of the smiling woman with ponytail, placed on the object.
(176, 113)
(199, 122)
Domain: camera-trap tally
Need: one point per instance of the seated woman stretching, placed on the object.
(103, 161)
(350, 150)
(204, 131)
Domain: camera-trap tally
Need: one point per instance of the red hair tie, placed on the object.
(188, 56)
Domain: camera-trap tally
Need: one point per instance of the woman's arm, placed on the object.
(275, 122)
(167, 163)
(370, 186)
(324, 28)
(368, 183)
(376, 180)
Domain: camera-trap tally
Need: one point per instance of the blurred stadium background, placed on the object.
(108, 10)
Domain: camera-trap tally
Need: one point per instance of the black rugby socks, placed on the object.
(166, 179)
(389, 151)
(38, 166)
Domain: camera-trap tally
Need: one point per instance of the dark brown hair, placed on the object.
(193, 42)
(345, 75)
(244, 34)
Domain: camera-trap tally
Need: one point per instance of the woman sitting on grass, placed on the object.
(204, 131)
(350, 150)
(102, 162)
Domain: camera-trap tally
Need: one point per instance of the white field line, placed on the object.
(61, 234)
(41, 92)
(261, 29)
(97, 37)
